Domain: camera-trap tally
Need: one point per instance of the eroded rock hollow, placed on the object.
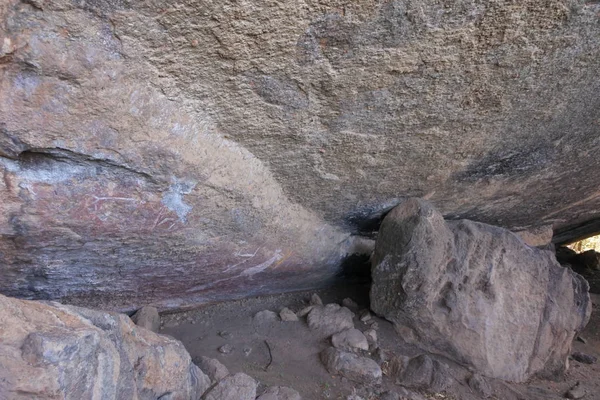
(184, 151)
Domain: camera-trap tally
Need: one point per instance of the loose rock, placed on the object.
(330, 319)
(576, 392)
(315, 300)
(421, 372)
(356, 368)
(350, 339)
(443, 268)
(288, 315)
(239, 387)
(265, 317)
(52, 351)
(212, 368)
(584, 358)
(148, 318)
(304, 312)
(279, 393)
(371, 335)
(226, 349)
(365, 316)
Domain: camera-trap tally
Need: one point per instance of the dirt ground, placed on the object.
(293, 359)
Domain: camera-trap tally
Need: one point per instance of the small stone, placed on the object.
(356, 368)
(148, 318)
(225, 335)
(422, 372)
(354, 397)
(226, 349)
(265, 317)
(371, 335)
(576, 392)
(288, 315)
(350, 339)
(239, 387)
(373, 324)
(279, 393)
(315, 300)
(304, 312)
(584, 358)
(213, 368)
(365, 316)
(247, 351)
(349, 303)
(330, 319)
(581, 339)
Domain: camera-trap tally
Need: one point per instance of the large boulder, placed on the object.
(476, 293)
(51, 351)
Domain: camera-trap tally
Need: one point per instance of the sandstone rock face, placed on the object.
(52, 351)
(177, 152)
(476, 293)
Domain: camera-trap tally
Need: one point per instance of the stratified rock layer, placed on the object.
(182, 151)
(476, 293)
(51, 351)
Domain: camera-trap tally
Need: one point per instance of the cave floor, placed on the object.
(295, 349)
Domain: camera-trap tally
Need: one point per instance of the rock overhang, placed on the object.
(193, 151)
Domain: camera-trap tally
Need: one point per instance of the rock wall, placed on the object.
(185, 151)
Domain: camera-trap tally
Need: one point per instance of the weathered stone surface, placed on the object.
(52, 351)
(147, 317)
(239, 386)
(213, 368)
(288, 315)
(177, 152)
(350, 340)
(280, 393)
(476, 293)
(356, 368)
(421, 372)
(330, 319)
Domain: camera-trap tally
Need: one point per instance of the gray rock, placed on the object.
(401, 394)
(584, 358)
(356, 368)
(576, 392)
(288, 315)
(421, 372)
(371, 335)
(212, 368)
(147, 317)
(279, 393)
(265, 317)
(226, 349)
(429, 273)
(239, 387)
(365, 316)
(315, 300)
(304, 312)
(330, 319)
(350, 340)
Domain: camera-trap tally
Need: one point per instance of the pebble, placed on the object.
(304, 312)
(365, 316)
(576, 392)
(226, 349)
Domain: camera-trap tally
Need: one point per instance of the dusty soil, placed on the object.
(294, 349)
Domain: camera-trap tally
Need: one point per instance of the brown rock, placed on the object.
(356, 368)
(330, 319)
(147, 317)
(52, 351)
(212, 368)
(239, 387)
(461, 285)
